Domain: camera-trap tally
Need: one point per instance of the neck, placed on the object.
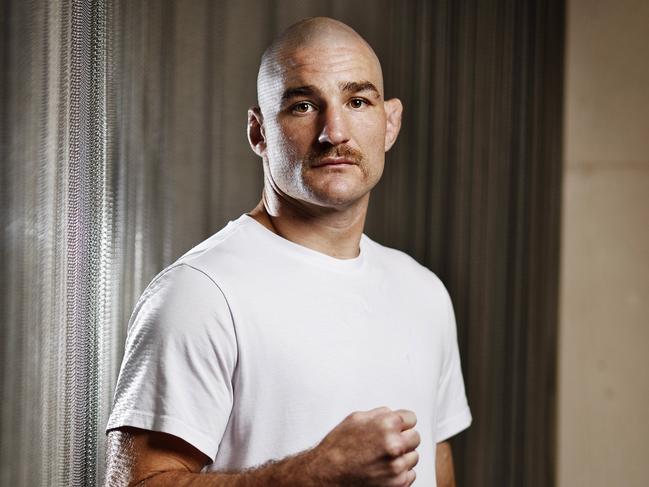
(335, 232)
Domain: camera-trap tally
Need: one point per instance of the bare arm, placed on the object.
(147, 458)
(444, 470)
(371, 448)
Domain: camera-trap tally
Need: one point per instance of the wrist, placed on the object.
(320, 468)
(305, 469)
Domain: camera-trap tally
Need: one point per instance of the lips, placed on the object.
(335, 161)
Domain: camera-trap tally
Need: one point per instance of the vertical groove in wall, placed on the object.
(209, 51)
(5, 267)
(168, 58)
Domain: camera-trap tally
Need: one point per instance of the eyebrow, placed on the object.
(358, 86)
(347, 87)
(298, 91)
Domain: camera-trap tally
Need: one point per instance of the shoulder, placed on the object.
(190, 293)
(179, 278)
(227, 253)
(220, 246)
(401, 266)
(181, 300)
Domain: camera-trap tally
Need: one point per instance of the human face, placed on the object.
(325, 124)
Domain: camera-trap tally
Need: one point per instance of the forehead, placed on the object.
(336, 59)
(324, 65)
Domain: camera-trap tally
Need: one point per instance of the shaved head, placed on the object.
(322, 125)
(300, 42)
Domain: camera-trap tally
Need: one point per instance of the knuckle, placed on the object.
(414, 459)
(355, 417)
(404, 479)
(390, 421)
(397, 466)
(393, 446)
(416, 438)
(412, 475)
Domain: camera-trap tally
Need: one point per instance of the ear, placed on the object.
(256, 133)
(393, 111)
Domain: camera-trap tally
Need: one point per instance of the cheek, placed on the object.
(289, 139)
(278, 142)
(372, 128)
(372, 137)
(373, 142)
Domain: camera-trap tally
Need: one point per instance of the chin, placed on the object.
(335, 190)
(337, 198)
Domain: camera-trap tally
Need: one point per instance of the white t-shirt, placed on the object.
(251, 347)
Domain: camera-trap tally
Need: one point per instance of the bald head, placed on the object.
(322, 126)
(302, 44)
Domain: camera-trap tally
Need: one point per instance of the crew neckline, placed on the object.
(306, 253)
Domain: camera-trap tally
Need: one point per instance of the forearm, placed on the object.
(294, 471)
(376, 447)
(445, 472)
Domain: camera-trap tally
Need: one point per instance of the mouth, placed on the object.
(335, 161)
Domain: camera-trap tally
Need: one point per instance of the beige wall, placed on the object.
(604, 329)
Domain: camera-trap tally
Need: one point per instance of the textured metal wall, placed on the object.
(123, 144)
(58, 259)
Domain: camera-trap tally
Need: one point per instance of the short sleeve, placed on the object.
(179, 360)
(453, 413)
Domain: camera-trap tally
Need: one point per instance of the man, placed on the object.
(289, 349)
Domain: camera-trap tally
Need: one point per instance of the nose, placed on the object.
(334, 130)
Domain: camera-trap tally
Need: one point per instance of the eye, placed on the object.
(357, 103)
(302, 107)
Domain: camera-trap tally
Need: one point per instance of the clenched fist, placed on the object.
(370, 448)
